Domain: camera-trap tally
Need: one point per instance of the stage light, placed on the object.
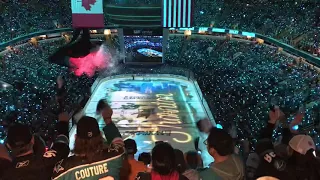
(1, 141)
(187, 33)
(296, 127)
(107, 32)
(260, 41)
(219, 126)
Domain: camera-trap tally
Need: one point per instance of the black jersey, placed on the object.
(34, 166)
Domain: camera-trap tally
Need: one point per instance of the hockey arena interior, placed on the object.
(160, 89)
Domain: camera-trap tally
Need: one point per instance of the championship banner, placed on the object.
(177, 13)
(87, 13)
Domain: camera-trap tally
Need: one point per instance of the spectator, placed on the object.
(180, 161)
(269, 163)
(5, 159)
(301, 153)
(25, 164)
(92, 159)
(193, 160)
(61, 90)
(131, 167)
(145, 157)
(252, 164)
(163, 164)
(182, 168)
(204, 127)
(226, 165)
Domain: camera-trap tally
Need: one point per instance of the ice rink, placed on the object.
(150, 108)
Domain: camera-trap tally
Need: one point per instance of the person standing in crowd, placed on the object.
(301, 153)
(145, 157)
(252, 164)
(28, 165)
(227, 165)
(163, 164)
(131, 167)
(93, 159)
(204, 127)
(193, 160)
(5, 159)
(61, 91)
(182, 167)
(270, 164)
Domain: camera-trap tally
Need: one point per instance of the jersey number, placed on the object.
(268, 157)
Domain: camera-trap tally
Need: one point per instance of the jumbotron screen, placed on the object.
(143, 45)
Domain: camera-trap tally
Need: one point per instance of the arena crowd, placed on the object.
(294, 23)
(257, 105)
(94, 157)
(266, 101)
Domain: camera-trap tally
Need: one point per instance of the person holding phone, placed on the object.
(204, 126)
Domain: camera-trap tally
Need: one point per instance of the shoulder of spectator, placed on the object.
(182, 177)
(207, 173)
(4, 155)
(59, 168)
(270, 126)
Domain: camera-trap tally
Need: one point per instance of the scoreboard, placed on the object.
(143, 46)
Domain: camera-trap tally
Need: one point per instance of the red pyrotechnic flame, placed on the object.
(91, 63)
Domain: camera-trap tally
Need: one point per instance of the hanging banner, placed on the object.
(177, 13)
(87, 13)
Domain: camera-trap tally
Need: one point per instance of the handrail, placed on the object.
(314, 60)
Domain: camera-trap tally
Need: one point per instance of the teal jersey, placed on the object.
(106, 164)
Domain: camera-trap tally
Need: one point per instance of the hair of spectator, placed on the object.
(223, 145)
(192, 159)
(145, 157)
(180, 161)
(88, 147)
(163, 158)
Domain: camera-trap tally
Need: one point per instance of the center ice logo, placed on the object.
(88, 3)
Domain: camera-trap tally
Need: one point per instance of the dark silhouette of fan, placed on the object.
(76, 48)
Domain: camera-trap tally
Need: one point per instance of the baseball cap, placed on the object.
(302, 144)
(19, 135)
(130, 145)
(87, 128)
(221, 141)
